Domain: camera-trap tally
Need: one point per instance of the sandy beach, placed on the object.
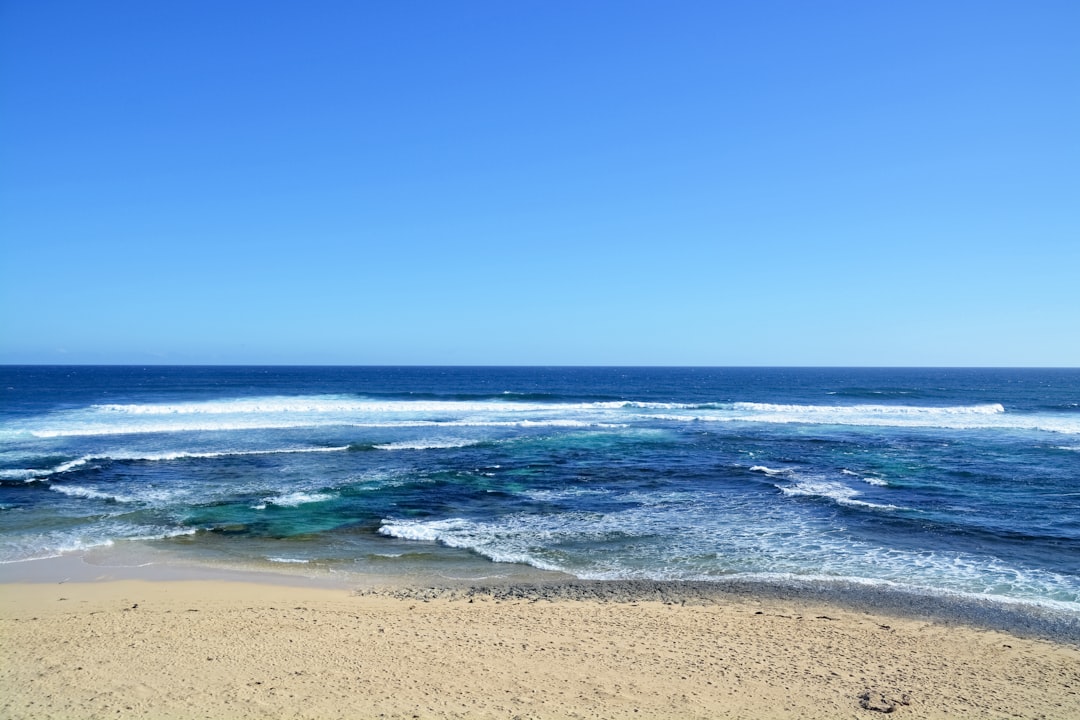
(228, 649)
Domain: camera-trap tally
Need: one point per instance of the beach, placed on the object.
(235, 542)
(238, 649)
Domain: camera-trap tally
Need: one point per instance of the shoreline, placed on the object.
(1020, 620)
(231, 647)
(522, 582)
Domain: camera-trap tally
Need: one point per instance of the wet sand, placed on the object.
(229, 649)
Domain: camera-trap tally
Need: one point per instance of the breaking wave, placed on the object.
(37, 474)
(284, 413)
(294, 499)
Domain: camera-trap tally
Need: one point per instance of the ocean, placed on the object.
(941, 482)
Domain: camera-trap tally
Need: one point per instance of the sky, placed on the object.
(540, 182)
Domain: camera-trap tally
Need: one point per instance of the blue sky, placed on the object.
(673, 183)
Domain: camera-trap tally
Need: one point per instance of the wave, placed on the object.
(37, 474)
(25, 548)
(684, 542)
(294, 499)
(338, 405)
(278, 412)
(427, 444)
(1065, 407)
(564, 494)
(987, 416)
(423, 531)
(857, 392)
(868, 479)
(479, 537)
(156, 428)
(31, 474)
(865, 410)
(835, 491)
(284, 413)
(92, 494)
(770, 471)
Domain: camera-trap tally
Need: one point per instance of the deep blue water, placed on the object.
(940, 481)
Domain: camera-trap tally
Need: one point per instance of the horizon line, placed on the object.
(535, 366)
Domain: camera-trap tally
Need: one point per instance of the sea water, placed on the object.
(939, 481)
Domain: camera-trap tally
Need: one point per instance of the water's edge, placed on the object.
(525, 583)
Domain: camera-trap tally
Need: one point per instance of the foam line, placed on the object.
(32, 474)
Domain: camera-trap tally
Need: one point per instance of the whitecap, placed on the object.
(35, 474)
(434, 444)
(564, 494)
(868, 479)
(28, 474)
(296, 499)
(770, 471)
(83, 492)
(835, 491)
(424, 531)
(962, 417)
(883, 410)
(80, 491)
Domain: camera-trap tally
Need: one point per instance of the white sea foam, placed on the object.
(300, 561)
(964, 417)
(433, 444)
(337, 404)
(656, 405)
(10, 554)
(835, 491)
(296, 499)
(144, 496)
(868, 479)
(905, 587)
(487, 539)
(101, 429)
(270, 413)
(256, 423)
(770, 471)
(564, 494)
(869, 410)
(820, 488)
(680, 536)
(24, 548)
(185, 455)
(23, 474)
(34, 474)
(430, 531)
(83, 492)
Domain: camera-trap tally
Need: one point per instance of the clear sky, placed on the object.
(540, 182)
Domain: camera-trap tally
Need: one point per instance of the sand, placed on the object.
(223, 649)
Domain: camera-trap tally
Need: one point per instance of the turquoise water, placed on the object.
(937, 481)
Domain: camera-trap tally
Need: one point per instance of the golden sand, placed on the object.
(218, 649)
